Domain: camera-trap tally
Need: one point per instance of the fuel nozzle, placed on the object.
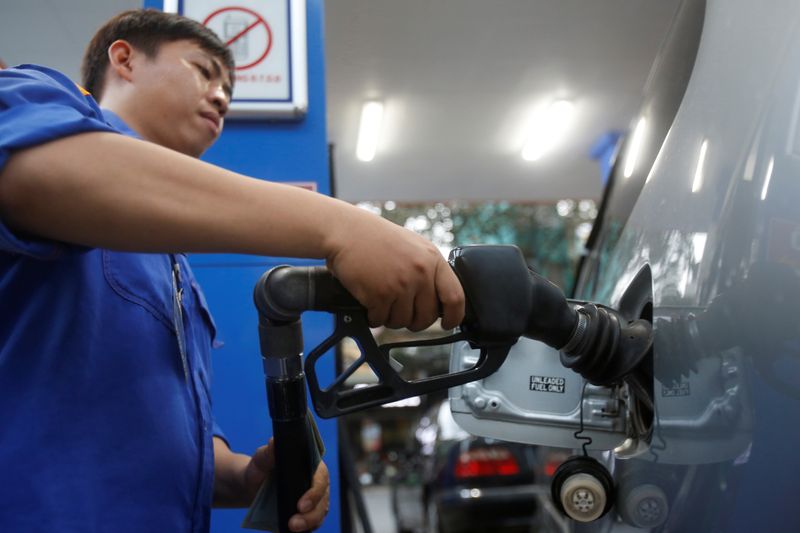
(508, 300)
(505, 300)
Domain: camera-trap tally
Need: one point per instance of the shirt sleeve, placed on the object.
(216, 431)
(39, 105)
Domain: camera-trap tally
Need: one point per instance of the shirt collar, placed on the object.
(114, 120)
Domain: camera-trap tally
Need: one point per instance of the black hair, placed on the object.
(146, 30)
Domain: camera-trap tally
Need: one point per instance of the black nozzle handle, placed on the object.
(507, 300)
(552, 319)
(285, 292)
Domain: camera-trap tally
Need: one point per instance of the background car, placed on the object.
(483, 485)
(465, 483)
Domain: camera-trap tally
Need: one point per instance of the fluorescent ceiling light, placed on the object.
(697, 183)
(635, 147)
(369, 130)
(547, 128)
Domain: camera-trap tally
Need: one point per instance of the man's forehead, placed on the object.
(198, 49)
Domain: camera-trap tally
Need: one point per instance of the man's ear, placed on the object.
(120, 58)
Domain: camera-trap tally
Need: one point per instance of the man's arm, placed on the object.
(237, 478)
(107, 190)
(229, 475)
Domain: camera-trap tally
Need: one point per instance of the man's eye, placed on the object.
(204, 71)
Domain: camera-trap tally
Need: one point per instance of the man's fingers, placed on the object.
(313, 519)
(264, 458)
(426, 310)
(401, 312)
(314, 504)
(451, 296)
(398, 276)
(377, 314)
(319, 485)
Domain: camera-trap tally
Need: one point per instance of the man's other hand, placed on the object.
(313, 505)
(237, 478)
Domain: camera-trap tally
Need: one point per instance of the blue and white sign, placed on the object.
(268, 42)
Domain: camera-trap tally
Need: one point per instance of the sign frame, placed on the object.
(294, 107)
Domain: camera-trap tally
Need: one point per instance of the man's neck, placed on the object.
(118, 106)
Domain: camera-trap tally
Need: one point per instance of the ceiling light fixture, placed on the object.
(369, 130)
(548, 126)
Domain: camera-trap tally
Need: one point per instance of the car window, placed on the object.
(663, 94)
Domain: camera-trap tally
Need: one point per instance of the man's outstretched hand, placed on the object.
(400, 277)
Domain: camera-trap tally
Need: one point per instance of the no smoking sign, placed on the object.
(245, 32)
(267, 40)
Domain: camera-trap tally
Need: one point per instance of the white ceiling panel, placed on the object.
(459, 77)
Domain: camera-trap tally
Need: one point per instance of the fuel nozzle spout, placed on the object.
(604, 348)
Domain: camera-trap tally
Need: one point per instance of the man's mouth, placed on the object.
(213, 120)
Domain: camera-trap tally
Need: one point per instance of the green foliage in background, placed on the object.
(550, 235)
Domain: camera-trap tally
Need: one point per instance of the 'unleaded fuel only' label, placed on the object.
(547, 384)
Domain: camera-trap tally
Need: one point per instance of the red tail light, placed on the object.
(550, 468)
(486, 462)
(552, 460)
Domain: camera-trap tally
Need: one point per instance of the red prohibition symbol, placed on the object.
(259, 21)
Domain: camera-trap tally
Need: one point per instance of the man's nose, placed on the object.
(219, 98)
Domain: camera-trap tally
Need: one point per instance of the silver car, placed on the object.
(698, 233)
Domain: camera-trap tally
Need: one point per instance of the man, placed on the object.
(104, 371)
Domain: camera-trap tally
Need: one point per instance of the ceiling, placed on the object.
(458, 79)
(53, 32)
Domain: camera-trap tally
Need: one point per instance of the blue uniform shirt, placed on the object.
(105, 412)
